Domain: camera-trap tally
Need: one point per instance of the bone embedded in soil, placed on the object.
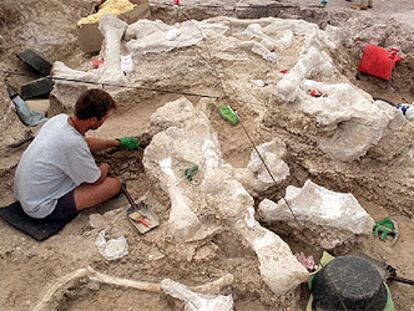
(343, 158)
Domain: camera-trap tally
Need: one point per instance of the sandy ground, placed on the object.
(29, 268)
(379, 7)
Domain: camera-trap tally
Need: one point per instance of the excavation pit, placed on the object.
(232, 55)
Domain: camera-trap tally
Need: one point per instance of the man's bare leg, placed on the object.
(89, 195)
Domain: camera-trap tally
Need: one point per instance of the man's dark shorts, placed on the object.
(65, 209)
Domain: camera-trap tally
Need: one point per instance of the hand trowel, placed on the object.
(139, 214)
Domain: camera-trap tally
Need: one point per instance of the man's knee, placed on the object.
(113, 184)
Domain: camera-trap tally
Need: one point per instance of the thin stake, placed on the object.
(132, 86)
(267, 168)
(135, 87)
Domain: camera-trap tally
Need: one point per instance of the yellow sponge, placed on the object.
(114, 7)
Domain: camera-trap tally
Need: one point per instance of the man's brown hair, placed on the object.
(94, 103)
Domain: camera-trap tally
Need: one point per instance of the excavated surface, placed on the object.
(380, 180)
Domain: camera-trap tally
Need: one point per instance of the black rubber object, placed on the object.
(35, 60)
(37, 88)
(349, 281)
(38, 229)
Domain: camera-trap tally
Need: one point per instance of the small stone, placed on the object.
(93, 286)
(206, 252)
(70, 295)
(155, 255)
(97, 221)
(39, 105)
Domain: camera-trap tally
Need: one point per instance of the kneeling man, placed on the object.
(57, 175)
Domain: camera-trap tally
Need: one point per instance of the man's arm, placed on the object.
(97, 144)
(105, 170)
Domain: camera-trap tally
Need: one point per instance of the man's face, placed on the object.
(98, 123)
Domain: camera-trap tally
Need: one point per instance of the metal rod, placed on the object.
(267, 169)
(135, 87)
(128, 195)
(132, 86)
(401, 280)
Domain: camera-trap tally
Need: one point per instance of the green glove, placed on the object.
(130, 143)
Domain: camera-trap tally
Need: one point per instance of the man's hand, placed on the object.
(105, 171)
(105, 168)
(98, 144)
(130, 143)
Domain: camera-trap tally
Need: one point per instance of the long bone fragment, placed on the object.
(188, 137)
(62, 284)
(113, 30)
(194, 301)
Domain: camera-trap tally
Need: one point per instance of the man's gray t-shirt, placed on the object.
(56, 162)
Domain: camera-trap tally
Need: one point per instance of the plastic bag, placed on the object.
(112, 249)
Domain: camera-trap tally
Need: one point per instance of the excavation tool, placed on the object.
(228, 114)
(140, 215)
(190, 172)
(386, 227)
(35, 61)
(349, 283)
(388, 272)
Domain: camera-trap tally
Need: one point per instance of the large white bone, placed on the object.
(255, 176)
(59, 287)
(313, 60)
(331, 217)
(194, 301)
(110, 72)
(362, 123)
(191, 139)
(182, 218)
(280, 269)
(147, 36)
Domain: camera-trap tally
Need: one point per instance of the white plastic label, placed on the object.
(127, 64)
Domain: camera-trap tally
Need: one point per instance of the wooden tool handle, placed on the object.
(127, 195)
(401, 280)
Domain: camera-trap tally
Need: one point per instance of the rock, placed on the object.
(155, 255)
(263, 51)
(258, 83)
(97, 221)
(204, 232)
(286, 39)
(331, 217)
(93, 286)
(312, 61)
(172, 34)
(206, 252)
(40, 105)
(174, 113)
